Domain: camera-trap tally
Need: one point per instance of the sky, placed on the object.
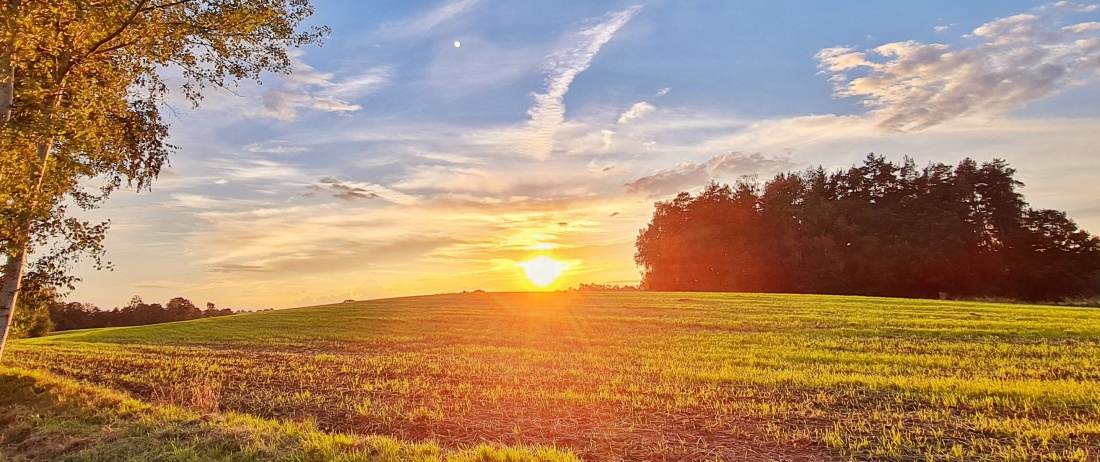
(435, 146)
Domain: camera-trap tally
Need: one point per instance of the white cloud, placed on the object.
(204, 202)
(258, 170)
(360, 85)
(329, 104)
(282, 104)
(689, 175)
(273, 147)
(303, 75)
(663, 91)
(548, 112)
(1018, 60)
(427, 22)
(637, 111)
(308, 88)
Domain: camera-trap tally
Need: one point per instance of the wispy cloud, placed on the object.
(548, 112)
(689, 175)
(352, 191)
(427, 22)
(274, 147)
(359, 85)
(637, 111)
(308, 88)
(1018, 60)
(258, 171)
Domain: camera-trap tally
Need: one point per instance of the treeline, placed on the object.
(75, 315)
(41, 311)
(596, 287)
(879, 228)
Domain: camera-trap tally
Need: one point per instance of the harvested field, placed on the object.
(631, 376)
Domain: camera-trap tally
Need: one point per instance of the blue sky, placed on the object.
(392, 162)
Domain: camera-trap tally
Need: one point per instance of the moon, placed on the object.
(458, 44)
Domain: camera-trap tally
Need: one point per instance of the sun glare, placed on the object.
(542, 271)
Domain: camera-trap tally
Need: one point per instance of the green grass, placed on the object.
(622, 376)
(45, 417)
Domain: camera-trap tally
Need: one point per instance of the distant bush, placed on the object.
(601, 288)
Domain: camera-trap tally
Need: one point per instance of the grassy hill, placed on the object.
(603, 376)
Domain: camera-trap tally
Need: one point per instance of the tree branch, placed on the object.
(121, 28)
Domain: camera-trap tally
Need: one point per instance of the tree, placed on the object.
(181, 309)
(81, 90)
(878, 228)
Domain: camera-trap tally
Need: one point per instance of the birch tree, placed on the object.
(82, 88)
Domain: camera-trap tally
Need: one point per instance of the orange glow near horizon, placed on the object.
(542, 270)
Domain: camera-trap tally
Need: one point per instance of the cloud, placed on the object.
(273, 147)
(360, 85)
(637, 111)
(663, 91)
(303, 75)
(201, 202)
(740, 163)
(425, 23)
(351, 191)
(561, 67)
(308, 88)
(258, 170)
(284, 104)
(1019, 59)
(688, 175)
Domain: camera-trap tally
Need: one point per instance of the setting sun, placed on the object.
(542, 271)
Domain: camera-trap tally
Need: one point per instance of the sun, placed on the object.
(542, 271)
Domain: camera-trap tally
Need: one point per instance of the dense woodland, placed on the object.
(879, 228)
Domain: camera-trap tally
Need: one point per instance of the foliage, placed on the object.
(634, 375)
(32, 315)
(876, 229)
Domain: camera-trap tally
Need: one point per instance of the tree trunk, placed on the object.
(13, 268)
(7, 86)
(9, 294)
(7, 69)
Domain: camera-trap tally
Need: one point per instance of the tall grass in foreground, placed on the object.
(629, 376)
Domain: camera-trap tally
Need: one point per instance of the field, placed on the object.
(595, 376)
